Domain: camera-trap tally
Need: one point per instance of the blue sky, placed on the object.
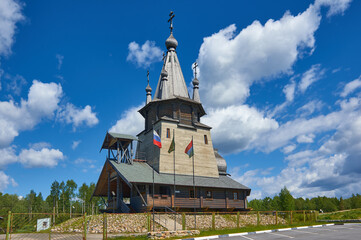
(279, 80)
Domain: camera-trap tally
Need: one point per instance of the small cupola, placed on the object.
(221, 163)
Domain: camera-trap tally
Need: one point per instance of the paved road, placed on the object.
(337, 232)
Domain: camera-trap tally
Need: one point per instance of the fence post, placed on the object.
(148, 221)
(213, 221)
(237, 219)
(257, 218)
(276, 218)
(183, 221)
(291, 217)
(105, 227)
(8, 226)
(304, 216)
(85, 227)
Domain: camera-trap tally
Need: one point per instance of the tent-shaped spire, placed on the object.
(171, 81)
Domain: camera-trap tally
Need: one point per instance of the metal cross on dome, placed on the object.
(195, 69)
(148, 76)
(170, 20)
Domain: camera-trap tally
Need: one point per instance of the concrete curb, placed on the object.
(257, 232)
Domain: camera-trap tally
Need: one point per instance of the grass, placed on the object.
(344, 215)
(226, 231)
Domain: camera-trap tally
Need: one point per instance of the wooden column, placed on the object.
(118, 192)
(109, 195)
(226, 197)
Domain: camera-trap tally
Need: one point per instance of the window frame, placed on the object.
(237, 196)
(194, 195)
(211, 197)
(205, 139)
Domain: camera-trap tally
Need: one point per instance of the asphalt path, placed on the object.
(339, 232)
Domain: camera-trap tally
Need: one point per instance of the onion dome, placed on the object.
(148, 89)
(221, 163)
(195, 82)
(171, 43)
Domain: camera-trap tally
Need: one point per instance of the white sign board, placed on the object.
(43, 224)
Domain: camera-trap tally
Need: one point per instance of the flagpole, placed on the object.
(194, 189)
(175, 223)
(153, 192)
(153, 183)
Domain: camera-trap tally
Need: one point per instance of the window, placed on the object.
(168, 133)
(163, 190)
(191, 193)
(235, 195)
(209, 194)
(205, 139)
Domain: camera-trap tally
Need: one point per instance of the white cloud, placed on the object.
(281, 136)
(5, 180)
(43, 99)
(40, 158)
(60, 59)
(75, 144)
(230, 63)
(335, 6)
(144, 55)
(14, 84)
(306, 138)
(131, 122)
(288, 149)
(310, 108)
(39, 145)
(332, 170)
(7, 156)
(289, 91)
(236, 127)
(10, 15)
(310, 76)
(77, 117)
(351, 87)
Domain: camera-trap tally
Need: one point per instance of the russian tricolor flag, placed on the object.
(189, 149)
(156, 139)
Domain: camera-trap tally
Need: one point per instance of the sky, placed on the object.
(280, 82)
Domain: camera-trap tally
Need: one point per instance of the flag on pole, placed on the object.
(172, 146)
(156, 139)
(189, 149)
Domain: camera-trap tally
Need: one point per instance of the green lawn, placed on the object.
(227, 231)
(344, 215)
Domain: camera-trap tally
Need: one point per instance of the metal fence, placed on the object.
(45, 226)
(106, 225)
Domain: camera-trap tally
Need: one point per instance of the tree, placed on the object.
(83, 192)
(287, 202)
(54, 193)
(62, 194)
(70, 188)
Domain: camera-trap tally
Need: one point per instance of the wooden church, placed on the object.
(160, 178)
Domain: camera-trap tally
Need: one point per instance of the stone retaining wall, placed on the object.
(137, 223)
(168, 234)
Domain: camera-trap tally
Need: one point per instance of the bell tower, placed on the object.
(172, 108)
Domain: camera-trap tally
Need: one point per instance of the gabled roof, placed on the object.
(111, 138)
(141, 172)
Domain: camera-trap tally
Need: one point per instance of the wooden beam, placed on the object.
(141, 196)
(109, 186)
(118, 192)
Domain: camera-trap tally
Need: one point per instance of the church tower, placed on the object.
(156, 178)
(172, 110)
